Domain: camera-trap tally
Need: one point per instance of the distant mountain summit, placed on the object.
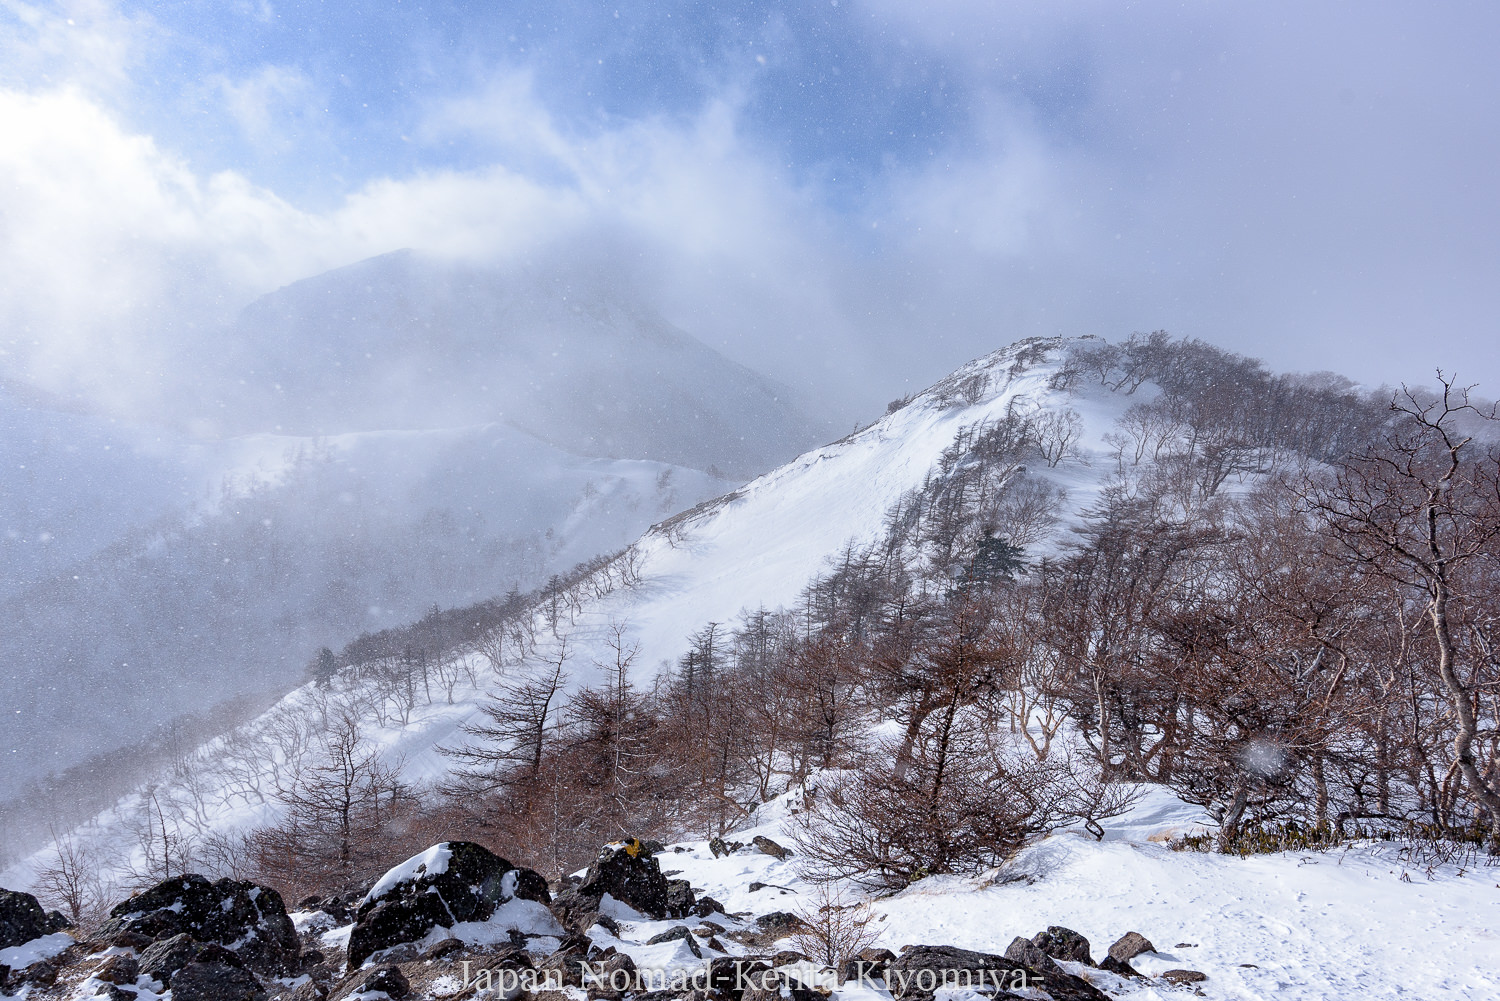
(568, 354)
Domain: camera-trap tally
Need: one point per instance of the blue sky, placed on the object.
(863, 193)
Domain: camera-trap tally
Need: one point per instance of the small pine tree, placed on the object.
(995, 560)
(324, 668)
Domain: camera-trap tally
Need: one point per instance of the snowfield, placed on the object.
(1344, 924)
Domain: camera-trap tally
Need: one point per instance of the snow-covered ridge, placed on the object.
(756, 546)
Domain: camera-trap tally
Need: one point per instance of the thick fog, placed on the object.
(313, 315)
(850, 196)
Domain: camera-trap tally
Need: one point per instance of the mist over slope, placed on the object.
(567, 353)
(399, 441)
(757, 545)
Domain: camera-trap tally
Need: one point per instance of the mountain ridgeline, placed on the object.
(1068, 568)
(392, 436)
(568, 355)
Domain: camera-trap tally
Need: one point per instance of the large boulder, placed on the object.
(680, 898)
(1130, 945)
(216, 976)
(1025, 952)
(21, 919)
(449, 883)
(166, 956)
(919, 972)
(629, 874)
(1058, 942)
(248, 919)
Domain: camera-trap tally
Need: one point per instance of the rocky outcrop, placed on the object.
(248, 919)
(1058, 942)
(21, 919)
(629, 874)
(216, 975)
(768, 847)
(1025, 952)
(920, 971)
(1130, 945)
(448, 883)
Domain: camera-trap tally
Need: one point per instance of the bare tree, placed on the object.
(70, 879)
(509, 744)
(834, 929)
(1422, 509)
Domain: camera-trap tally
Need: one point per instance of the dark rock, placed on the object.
(1118, 966)
(1058, 942)
(1183, 976)
(57, 921)
(401, 952)
(212, 952)
(309, 903)
(43, 973)
(446, 947)
(472, 883)
(774, 987)
(121, 968)
(308, 990)
(680, 898)
(768, 847)
(757, 886)
(127, 939)
(312, 957)
(574, 911)
(652, 847)
(337, 908)
(612, 976)
(389, 979)
(529, 885)
(1025, 952)
(860, 972)
(113, 992)
(719, 847)
(675, 933)
(215, 981)
(471, 875)
(704, 906)
(778, 923)
(869, 965)
(1130, 945)
(921, 969)
(229, 912)
(784, 957)
(628, 874)
(163, 958)
(4, 976)
(732, 975)
(392, 922)
(564, 966)
(21, 919)
(609, 924)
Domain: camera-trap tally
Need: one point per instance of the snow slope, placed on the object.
(1349, 923)
(1352, 923)
(756, 546)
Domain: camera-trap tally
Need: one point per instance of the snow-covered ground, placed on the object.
(1343, 924)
